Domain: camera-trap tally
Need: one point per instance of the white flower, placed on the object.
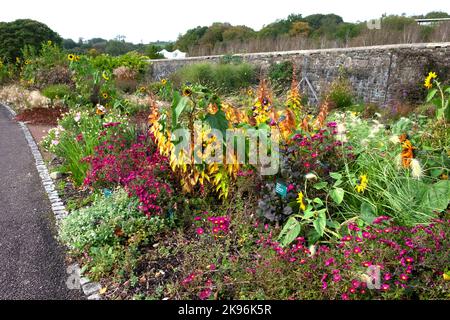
(77, 117)
(55, 142)
(416, 169)
(394, 139)
(310, 176)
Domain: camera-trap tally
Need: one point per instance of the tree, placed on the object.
(300, 28)
(190, 38)
(14, 36)
(238, 33)
(69, 44)
(436, 15)
(152, 50)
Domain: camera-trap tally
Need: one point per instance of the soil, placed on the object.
(41, 116)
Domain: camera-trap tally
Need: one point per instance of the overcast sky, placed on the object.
(145, 21)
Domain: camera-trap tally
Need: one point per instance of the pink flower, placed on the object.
(337, 277)
(212, 267)
(357, 250)
(409, 260)
(366, 235)
(385, 287)
(366, 264)
(344, 296)
(197, 218)
(387, 277)
(329, 262)
(356, 283)
(380, 219)
(200, 231)
(352, 290)
(290, 187)
(404, 277)
(205, 294)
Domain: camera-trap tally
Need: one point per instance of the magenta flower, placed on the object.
(356, 283)
(404, 277)
(337, 277)
(344, 296)
(366, 235)
(329, 262)
(387, 277)
(205, 294)
(385, 287)
(200, 231)
(357, 250)
(409, 260)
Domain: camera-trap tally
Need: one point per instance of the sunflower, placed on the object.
(362, 184)
(163, 82)
(105, 95)
(77, 58)
(49, 42)
(300, 201)
(429, 80)
(27, 62)
(187, 92)
(142, 89)
(17, 60)
(71, 57)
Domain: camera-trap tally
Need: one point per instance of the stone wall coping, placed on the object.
(431, 45)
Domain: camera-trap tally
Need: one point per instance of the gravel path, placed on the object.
(31, 261)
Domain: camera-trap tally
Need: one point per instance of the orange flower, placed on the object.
(407, 153)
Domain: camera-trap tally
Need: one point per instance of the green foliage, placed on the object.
(225, 78)
(15, 35)
(111, 231)
(133, 60)
(152, 50)
(57, 91)
(281, 73)
(76, 136)
(341, 93)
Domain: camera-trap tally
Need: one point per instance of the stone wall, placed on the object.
(379, 74)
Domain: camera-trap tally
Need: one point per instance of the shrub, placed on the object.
(108, 235)
(340, 93)
(15, 35)
(125, 78)
(225, 78)
(281, 73)
(57, 91)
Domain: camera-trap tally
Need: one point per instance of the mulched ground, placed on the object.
(43, 116)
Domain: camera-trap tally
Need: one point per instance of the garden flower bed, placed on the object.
(351, 205)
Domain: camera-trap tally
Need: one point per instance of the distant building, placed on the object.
(177, 54)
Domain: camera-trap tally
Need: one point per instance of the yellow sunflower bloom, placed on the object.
(105, 95)
(163, 82)
(429, 80)
(187, 92)
(71, 57)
